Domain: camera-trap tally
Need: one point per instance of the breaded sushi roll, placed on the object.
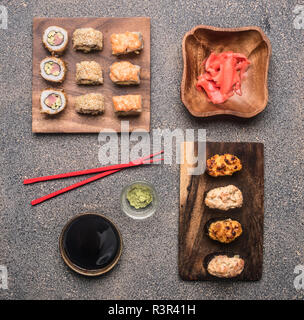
(87, 40)
(52, 101)
(55, 39)
(89, 72)
(53, 69)
(123, 43)
(125, 73)
(92, 103)
(127, 105)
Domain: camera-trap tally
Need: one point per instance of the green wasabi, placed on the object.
(139, 196)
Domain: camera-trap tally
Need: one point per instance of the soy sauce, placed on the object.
(91, 242)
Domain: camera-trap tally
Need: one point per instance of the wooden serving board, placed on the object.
(69, 120)
(194, 244)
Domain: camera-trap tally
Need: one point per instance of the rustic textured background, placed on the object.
(148, 267)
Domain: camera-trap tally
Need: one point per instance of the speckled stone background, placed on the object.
(148, 267)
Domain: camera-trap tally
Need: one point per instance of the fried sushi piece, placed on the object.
(125, 73)
(123, 43)
(224, 198)
(225, 231)
(92, 103)
(53, 69)
(127, 105)
(55, 39)
(223, 165)
(89, 72)
(87, 40)
(222, 266)
(52, 101)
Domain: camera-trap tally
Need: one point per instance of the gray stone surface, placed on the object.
(148, 267)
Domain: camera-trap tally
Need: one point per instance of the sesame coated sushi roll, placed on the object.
(53, 69)
(55, 39)
(125, 73)
(127, 105)
(123, 43)
(87, 40)
(89, 72)
(92, 103)
(52, 101)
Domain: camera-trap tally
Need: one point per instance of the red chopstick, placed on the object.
(144, 160)
(73, 186)
(94, 170)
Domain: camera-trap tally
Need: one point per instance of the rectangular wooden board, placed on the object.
(194, 244)
(69, 120)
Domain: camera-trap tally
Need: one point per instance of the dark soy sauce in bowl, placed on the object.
(90, 244)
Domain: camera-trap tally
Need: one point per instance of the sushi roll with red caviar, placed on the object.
(52, 101)
(53, 69)
(55, 39)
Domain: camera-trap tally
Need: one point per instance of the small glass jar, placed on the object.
(141, 213)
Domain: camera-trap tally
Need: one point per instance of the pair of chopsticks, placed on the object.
(102, 172)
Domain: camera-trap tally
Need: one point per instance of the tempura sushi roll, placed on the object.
(123, 43)
(92, 103)
(89, 72)
(53, 69)
(52, 101)
(127, 105)
(55, 39)
(125, 73)
(87, 39)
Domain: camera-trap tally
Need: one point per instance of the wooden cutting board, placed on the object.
(194, 244)
(69, 120)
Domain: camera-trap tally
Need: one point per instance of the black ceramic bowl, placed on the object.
(90, 244)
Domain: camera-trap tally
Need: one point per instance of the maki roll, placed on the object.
(129, 105)
(92, 103)
(87, 40)
(124, 43)
(89, 72)
(55, 39)
(125, 73)
(52, 101)
(53, 69)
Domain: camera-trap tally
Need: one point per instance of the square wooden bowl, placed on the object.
(251, 41)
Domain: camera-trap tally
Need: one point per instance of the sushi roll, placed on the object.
(55, 39)
(92, 103)
(52, 101)
(89, 72)
(124, 43)
(53, 69)
(125, 73)
(87, 40)
(129, 105)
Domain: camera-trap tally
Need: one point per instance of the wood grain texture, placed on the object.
(194, 244)
(197, 46)
(69, 120)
